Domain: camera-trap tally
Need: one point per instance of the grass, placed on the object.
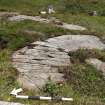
(86, 80)
(81, 55)
(69, 6)
(84, 83)
(26, 6)
(13, 33)
(8, 75)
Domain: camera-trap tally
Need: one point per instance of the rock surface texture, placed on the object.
(98, 64)
(9, 103)
(41, 60)
(75, 42)
(5, 15)
(43, 20)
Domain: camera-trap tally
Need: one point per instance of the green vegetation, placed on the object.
(68, 6)
(80, 6)
(84, 83)
(51, 88)
(82, 54)
(85, 80)
(95, 24)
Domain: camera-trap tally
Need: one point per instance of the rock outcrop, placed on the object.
(75, 42)
(41, 60)
(36, 63)
(43, 20)
(98, 64)
(9, 103)
(5, 15)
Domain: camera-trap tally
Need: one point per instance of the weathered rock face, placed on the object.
(75, 42)
(41, 60)
(9, 103)
(97, 63)
(39, 63)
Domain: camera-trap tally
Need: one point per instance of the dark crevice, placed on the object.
(31, 46)
(3, 43)
(37, 59)
(50, 56)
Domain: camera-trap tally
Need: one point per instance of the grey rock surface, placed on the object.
(39, 63)
(41, 60)
(98, 64)
(73, 27)
(9, 103)
(75, 42)
(40, 19)
(4, 15)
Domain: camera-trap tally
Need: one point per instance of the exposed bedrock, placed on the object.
(41, 60)
(98, 64)
(43, 20)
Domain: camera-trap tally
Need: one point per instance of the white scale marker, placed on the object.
(16, 91)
